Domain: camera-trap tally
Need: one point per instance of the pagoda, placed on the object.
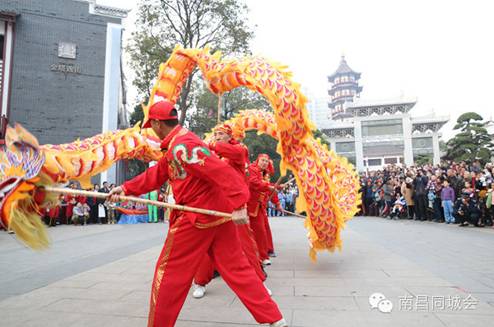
(344, 88)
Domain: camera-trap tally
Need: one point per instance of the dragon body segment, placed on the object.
(328, 183)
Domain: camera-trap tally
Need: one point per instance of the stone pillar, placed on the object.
(111, 98)
(8, 31)
(436, 152)
(332, 145)
(359, 148)
(407, 140)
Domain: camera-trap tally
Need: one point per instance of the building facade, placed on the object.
(374, 134)
(61, 69)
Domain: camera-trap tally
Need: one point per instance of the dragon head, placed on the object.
(21, 162)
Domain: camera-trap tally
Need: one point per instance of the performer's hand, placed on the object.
(115, 193)
(240, 217)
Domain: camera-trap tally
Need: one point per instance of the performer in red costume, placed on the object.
(273, 197)
(70, 201)
(198, 179)
(260, 190)
(237, 156)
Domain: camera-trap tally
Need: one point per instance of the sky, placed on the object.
(439, 52)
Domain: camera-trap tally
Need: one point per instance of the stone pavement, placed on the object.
(74, 249)
(333, 292)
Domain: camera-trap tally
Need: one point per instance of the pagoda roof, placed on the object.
(345, 86)
(343, 68)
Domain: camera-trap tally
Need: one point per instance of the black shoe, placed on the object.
(272, 255)
(463, 225)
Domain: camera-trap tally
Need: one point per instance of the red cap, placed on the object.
(160, 110)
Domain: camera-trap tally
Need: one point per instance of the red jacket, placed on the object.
(198, 178)
(234, 153)
(258, 188)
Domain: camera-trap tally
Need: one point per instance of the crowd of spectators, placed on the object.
(453, 193)
(287, 198)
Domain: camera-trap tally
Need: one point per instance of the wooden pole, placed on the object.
(220, 98)
(293, 214)
(62, 190)
(275, 186)
(278, 183)
(290, 180)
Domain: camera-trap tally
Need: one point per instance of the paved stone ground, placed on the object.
(101, 276)
(75, 249)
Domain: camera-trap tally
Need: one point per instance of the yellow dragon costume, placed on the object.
(328, 184)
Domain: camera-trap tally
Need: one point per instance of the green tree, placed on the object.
(423, 159)
(205, 115)
(472, 142)
(258, 144)
(137, 115)
(205, 118)
(318, 134)
(442, 146)
(135, 167)
(162, 24)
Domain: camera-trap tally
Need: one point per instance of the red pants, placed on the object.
(205, 272)
(269, 236)
(249, 246)
(258, 226)
(206, 269)
(185, 247)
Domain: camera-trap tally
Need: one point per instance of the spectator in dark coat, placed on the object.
(420, 186)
